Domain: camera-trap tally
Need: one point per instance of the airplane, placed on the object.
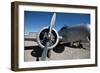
(48, 38)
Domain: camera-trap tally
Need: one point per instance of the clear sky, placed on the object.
(34, 21)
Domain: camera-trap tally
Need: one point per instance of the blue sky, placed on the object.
(34, 21)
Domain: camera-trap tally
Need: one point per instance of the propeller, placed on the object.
(48, 41)
(52, 24)
(45, 51)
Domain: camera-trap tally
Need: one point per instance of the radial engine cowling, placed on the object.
(43, 38)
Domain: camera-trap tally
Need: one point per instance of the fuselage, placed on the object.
(74, 33)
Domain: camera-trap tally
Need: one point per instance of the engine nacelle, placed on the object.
(42, 38)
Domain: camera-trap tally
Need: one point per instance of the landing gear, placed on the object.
(38, 54)
(77, 44)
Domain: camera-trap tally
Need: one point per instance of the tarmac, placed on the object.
(33, 52)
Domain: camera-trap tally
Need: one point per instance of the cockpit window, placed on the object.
(64, 27)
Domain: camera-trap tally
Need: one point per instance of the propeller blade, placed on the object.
(45, 51)
(52, 23)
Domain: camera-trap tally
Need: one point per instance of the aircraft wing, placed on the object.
(30, 40)
(30, 37)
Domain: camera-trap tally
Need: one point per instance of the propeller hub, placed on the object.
(43, 37)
